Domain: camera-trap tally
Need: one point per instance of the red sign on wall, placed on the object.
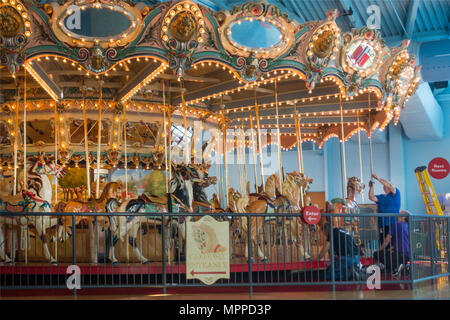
(311, 214)
(438, 168)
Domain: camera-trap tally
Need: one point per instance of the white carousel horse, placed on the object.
(124, 226)
(38, 198)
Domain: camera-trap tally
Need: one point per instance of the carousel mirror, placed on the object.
(255, 34)
(77, 133)
(39, 130)
(89, 23)
(142, 133)
(95, 23)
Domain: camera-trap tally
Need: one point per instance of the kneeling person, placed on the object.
(346, 254)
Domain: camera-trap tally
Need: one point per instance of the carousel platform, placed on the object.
(157, 268)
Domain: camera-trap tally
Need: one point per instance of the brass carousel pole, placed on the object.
(254, 153)
(16, 141)
(184, 107)
(360, 156)
(224, 142)
(165, 134)
(278, 137)
(25, 155)
(219, 170)
(99, 140)
(299, 142)
(125, 150)
(258, 133)
(244, 156)
(344, 172)
(238, 153)
(299, 151)
(86, 144)
(25, 129)
(370, 142)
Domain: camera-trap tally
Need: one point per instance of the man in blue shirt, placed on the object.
(389, 202)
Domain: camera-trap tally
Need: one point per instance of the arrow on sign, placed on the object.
(211, 272)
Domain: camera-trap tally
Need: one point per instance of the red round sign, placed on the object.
(438, 168)
(311, 214)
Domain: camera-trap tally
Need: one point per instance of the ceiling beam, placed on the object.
(411, 19)
(136, 80)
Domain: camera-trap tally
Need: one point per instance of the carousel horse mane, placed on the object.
(111, 205)
(271, 186)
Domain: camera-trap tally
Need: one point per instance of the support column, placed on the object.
(397, 161)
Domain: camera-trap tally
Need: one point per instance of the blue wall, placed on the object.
(419, 153)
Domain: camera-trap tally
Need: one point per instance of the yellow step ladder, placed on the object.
(428, 194)
(431, 203)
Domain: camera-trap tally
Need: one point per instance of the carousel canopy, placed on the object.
(319, 71)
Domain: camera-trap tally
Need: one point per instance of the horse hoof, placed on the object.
(53, 263)
(146, 262)
(115, 263)
(264, 260)
(9, 263)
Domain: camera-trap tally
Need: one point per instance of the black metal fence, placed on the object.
(148, 250)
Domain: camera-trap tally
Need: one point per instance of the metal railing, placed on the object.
(148, 250)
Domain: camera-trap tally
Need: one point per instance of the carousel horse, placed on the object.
(272, 201)
(348, 205)
(129, 226)
(36, 197)
(111, 190)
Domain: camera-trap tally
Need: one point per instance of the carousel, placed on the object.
(112, 106)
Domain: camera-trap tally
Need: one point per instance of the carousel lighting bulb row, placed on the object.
(309, 114)
(148, 79)
(304, 100)
(41, 82)
(247, 86)
(267, 126)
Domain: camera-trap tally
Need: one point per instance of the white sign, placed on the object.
(207, 250)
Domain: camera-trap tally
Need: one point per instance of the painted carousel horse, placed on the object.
(36, 197)
(111, 190)
(273, 201)
(201, 181)
(348, 205)
(128, 226)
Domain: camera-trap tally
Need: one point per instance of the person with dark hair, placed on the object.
(346, 254)
(389, 202)
(397, 257)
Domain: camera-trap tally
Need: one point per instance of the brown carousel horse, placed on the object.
(348, 205)
(286, 200)
(111, 190)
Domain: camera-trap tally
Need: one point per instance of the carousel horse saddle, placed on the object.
(153, 199)
(21, 206)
